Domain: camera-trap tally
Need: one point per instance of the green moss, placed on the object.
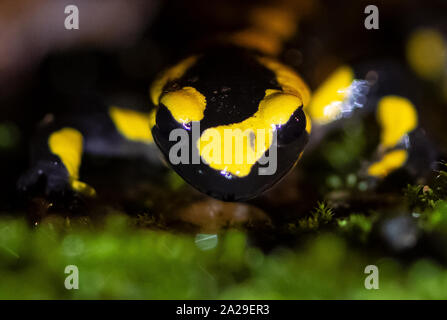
(422, 197)
(429, 203)
(321, 215)
(343, 152)
(9, 135)
(119, 261)
(357, 225)
(147, 220)
(124, 257)
(435, 219)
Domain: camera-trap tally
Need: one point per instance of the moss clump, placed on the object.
(429, 203)
(320, 216)
(422, 197)
(358, 226)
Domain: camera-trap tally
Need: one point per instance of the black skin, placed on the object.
(233, 83)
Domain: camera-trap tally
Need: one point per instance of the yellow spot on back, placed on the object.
(269, 27)
(390, 162)
(397, 116)
(133, 125)
(328, 98)
(427, 53)
(245, 142)
(185, 105)
(173, 73)
(83, 188)
(277, 107)
(67, 144)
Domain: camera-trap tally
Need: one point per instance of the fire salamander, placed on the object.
(232, 120)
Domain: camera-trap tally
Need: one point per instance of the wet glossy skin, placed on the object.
(234, 83)
(240, 85)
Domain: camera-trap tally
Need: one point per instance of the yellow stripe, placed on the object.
(134, 125)
(170, 74)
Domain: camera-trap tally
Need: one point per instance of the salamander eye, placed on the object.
(293, 129)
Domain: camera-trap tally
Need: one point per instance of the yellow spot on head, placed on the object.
(235, 148)
(133, 125)
(185, 105)
(288, 79)
(277, 107)
(328, 98)
(390, 162)
(427, 53)
(170, 74)
(397, 116)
